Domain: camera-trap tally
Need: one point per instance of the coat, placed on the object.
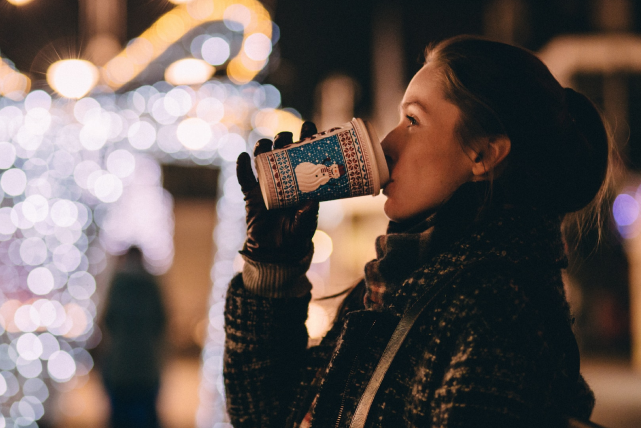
(494, 349)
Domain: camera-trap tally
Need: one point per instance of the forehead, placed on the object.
(425, 87)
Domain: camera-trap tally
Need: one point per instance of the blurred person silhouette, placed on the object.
(134, 325)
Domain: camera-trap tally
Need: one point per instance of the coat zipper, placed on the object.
(351, 373)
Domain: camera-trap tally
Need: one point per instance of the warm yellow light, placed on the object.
(13, 84)
(120, 70)
(140, 50)
(170, 28)
(189, 71)
(258, 46)
(238, 73)
(251, 14)
(72, 78)
(194, 133)
(271, 121)
(180, 1)
(318, 321)
(19, 2)
(323, 247)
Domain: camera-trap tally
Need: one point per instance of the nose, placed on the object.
(388, 144)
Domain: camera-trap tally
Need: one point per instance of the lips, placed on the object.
(386, 187)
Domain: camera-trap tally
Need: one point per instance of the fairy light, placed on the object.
(189, 71)
(323, 246)
(72, 78)
(246, 16)
(13, 84)
(625, 212)
(80, 178)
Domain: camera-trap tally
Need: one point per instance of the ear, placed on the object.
(489, 155)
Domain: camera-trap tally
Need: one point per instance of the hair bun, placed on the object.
(586, 158)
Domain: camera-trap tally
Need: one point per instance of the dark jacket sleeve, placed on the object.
(269, 371)
(265, 350)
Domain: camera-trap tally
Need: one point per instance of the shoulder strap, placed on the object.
(402, 329)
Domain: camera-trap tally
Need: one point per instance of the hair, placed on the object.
(561, 153)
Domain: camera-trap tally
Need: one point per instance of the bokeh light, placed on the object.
(37, 99)
(108, 188)
(13, 84)
(64, 213)
(72, 78)
(13, 181)
(271, 121)
(231, 145)
(80, 178)
(323, 246)
(189, 71)
(40, 281)
(248, 18)
(317, 321)
(237, 17)
(7, 155)
(625, 210)
(215, 50)
(29, 346)
(61, 366)
(194, 133)
(178, 102)
(121, 163)
(142, 135)
(258, 46)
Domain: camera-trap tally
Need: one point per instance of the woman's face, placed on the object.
(426, 160)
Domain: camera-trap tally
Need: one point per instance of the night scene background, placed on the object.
(143, 155)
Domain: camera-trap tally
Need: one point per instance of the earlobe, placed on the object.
(490, 157)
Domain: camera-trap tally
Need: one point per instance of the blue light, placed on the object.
(625, 210)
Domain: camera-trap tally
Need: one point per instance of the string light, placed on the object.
(19, 2)
(248, 16)
(80, 178)
(13, 84)
(72, 78)
(189, 71)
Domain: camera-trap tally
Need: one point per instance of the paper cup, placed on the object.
(343, 162)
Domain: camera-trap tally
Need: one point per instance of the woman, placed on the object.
(489, 156)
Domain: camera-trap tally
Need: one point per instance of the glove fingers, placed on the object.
(262, 146)
(306, 219)
(283, 139)
(244, 173)
(307, 130)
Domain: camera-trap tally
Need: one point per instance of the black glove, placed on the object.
(277, 235)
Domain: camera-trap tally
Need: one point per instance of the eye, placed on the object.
(411, 120)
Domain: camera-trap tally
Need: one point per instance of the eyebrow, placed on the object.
(412, 103)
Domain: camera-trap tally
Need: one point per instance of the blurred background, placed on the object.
(120, 123)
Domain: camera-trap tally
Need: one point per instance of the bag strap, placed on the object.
(402, 329)
(398, 337)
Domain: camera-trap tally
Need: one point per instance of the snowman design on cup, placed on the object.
(311, 176)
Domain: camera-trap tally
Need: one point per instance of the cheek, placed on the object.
(422, 182)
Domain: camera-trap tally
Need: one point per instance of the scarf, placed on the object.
(410, 245)
(397, 256)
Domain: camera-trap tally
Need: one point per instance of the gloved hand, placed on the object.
(277, 235)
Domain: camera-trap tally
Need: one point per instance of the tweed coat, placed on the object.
(494, 349)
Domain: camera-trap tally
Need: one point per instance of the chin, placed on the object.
(393, 212)
(405, 214)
